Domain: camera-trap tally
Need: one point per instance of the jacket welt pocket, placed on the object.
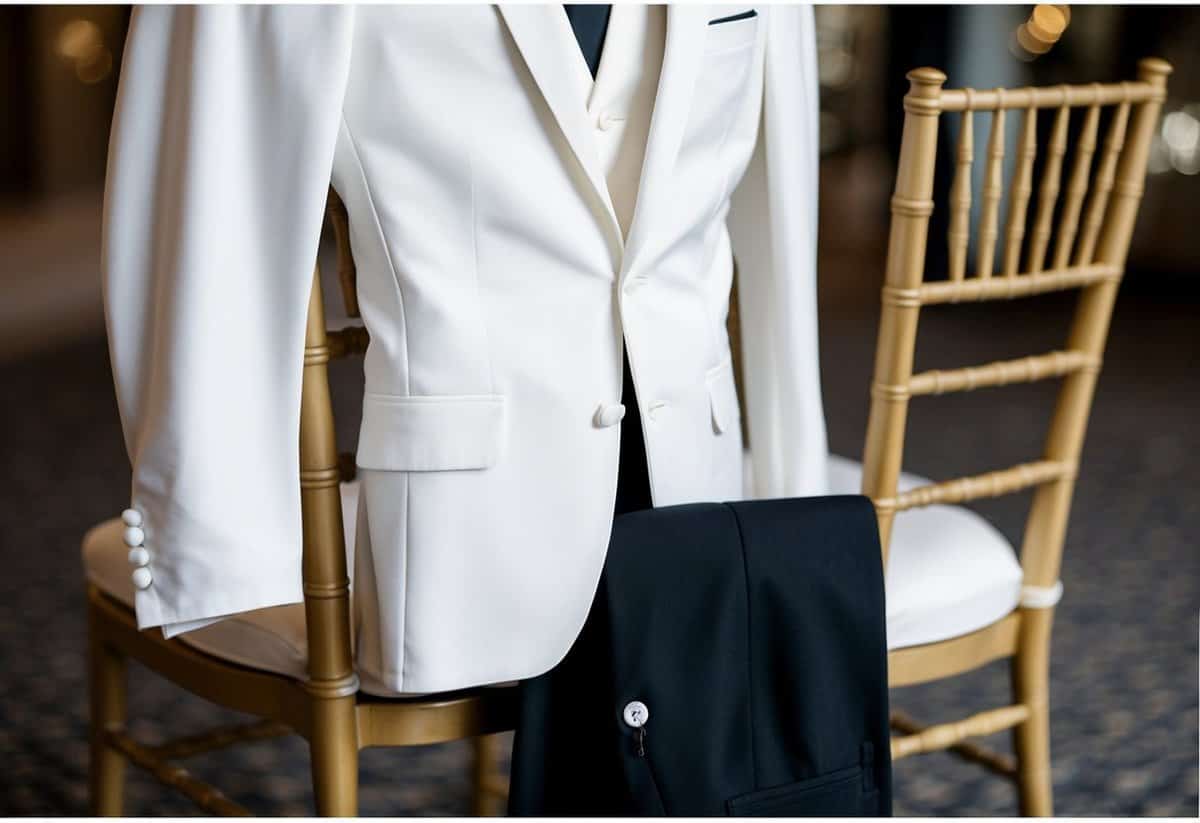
(834, 794)
(431, 432)
(731, 32)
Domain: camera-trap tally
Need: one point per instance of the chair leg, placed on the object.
(487, 798)
(1031, 739)
(334, 752)
(107, 684)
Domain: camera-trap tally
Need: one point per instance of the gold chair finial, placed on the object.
(926, 77)
(1154, 70)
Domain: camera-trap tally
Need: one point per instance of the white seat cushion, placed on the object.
(269, 639)
(950, 572)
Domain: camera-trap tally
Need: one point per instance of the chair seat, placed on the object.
(950, 572)
(271, 639)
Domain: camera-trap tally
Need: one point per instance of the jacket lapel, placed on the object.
(682, 55)
(543, 36)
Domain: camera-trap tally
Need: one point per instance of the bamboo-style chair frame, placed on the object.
(327, 708)
(1089, 256)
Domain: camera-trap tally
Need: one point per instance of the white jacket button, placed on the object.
(134, 536)
(609, 415)
(138, 556)
(142, 577)
(636, 714)
(131, 517)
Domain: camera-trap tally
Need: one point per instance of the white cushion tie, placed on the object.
(1041, 597)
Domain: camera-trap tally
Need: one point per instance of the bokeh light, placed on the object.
(1038, 34)
(81, 42)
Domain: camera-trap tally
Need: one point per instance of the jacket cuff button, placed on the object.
(138, 556)
(134, 536)
(131, 517)
(142, 577)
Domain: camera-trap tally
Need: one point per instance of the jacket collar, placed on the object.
(544, 38)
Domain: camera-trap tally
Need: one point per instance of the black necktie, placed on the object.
(589, 22)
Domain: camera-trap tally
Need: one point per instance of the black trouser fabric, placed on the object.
(754, 634)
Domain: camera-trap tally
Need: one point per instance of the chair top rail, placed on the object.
(1049, 97)
(1037, 97)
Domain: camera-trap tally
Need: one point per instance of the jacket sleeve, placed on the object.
(773, 231)
(219, 163)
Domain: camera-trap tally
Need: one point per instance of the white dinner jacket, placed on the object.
(498, 289)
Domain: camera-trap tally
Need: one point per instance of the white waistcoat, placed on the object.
(513, 235)
(620, 100)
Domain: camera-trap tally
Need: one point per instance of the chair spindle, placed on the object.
(959, 233)
(1114, 141)
(1076, 188)
(1048, 193)
(993, 184)
(1022, 189)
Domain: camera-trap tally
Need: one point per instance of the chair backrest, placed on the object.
(326, 582)
(1094, 227)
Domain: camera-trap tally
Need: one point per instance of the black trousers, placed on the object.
(566, 785)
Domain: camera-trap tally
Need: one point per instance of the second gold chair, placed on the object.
(958, 598)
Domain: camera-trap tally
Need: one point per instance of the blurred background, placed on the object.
(1124, 673)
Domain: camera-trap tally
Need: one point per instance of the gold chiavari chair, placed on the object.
(1095, 224)
(290, 666)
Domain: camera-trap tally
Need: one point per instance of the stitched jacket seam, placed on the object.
(387, 251)
(715, 225)
(475, 263)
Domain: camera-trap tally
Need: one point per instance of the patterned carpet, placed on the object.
(1124, 675)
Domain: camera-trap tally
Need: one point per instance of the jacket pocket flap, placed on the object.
(722, 396)
(430, 432)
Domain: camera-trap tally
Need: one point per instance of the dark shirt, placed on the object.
(590, 24)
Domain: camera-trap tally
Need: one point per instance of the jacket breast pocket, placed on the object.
(431, 432)
(841, 793)
(731, 31)
(725, 95)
